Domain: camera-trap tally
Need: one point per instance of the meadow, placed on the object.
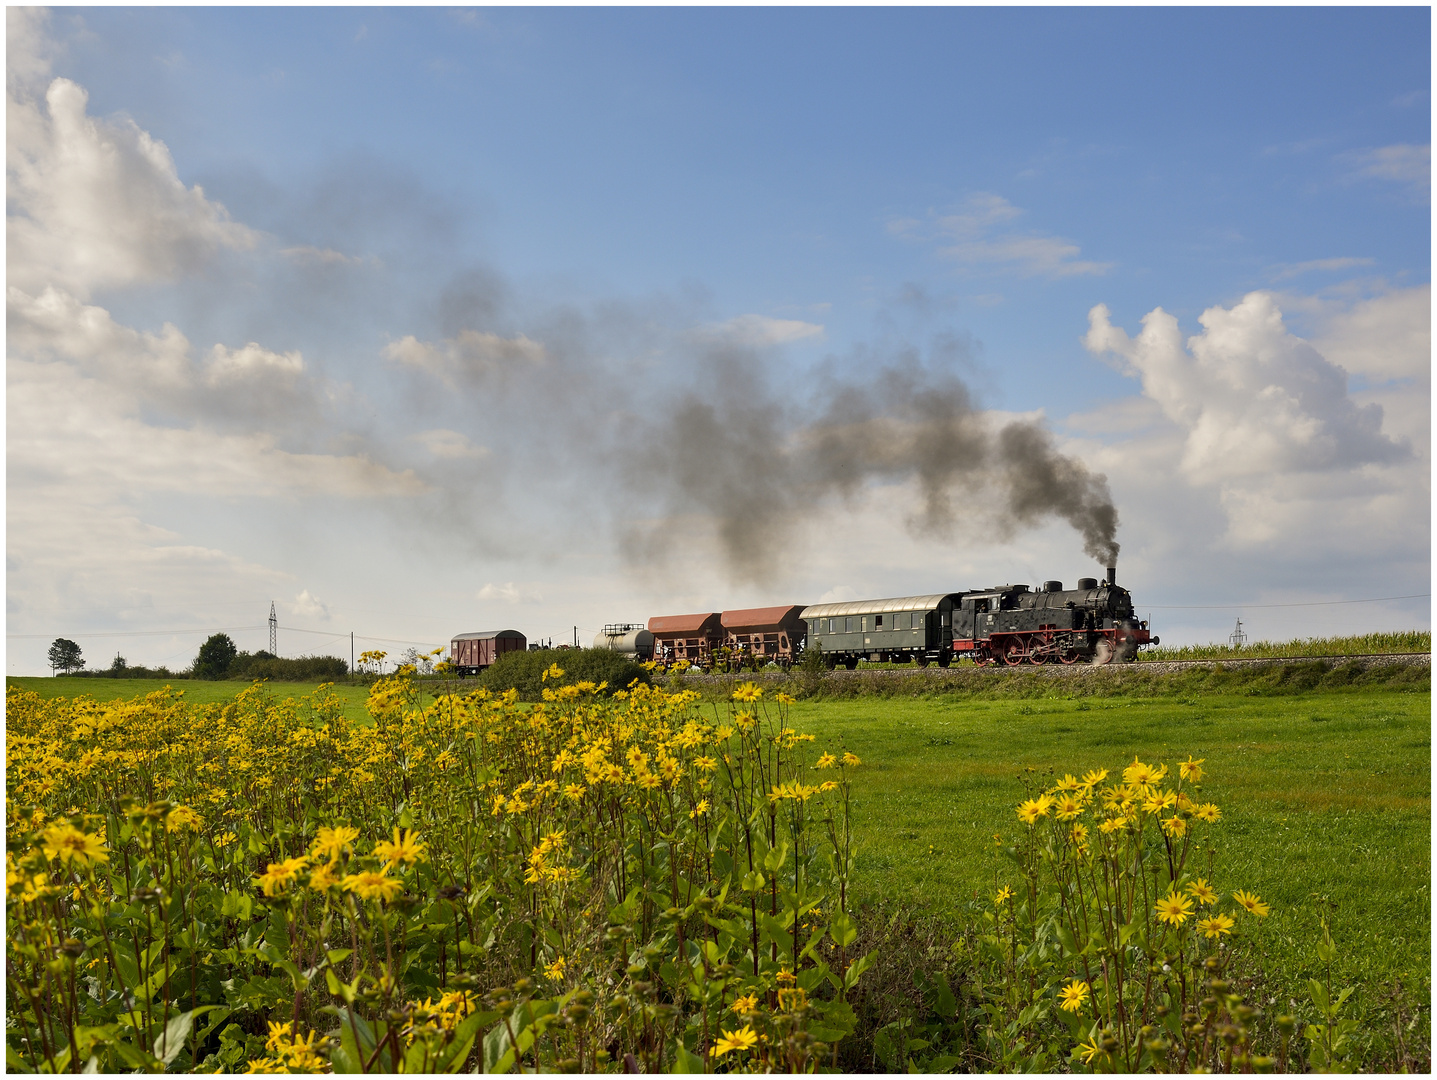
(1325, 797)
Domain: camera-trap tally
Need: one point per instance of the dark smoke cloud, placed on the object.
(760, 462)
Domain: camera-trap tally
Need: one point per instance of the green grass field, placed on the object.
(1404, 641)
(197, 691)
(1326, 800)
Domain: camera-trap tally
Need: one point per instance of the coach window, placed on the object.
(850, 624)
(863, 624)
(878, 622)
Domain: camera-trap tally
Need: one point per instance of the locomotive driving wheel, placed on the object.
(1013, 654)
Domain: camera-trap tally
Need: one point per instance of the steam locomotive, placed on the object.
(1009, 624)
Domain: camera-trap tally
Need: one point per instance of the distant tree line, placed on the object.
(218, 658)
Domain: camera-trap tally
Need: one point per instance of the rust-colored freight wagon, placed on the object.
(767, 633)
(686, 637)
(472, 653)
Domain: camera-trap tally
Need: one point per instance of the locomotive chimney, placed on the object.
(1112, 575)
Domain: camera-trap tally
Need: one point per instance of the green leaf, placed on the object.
(177, 1031)
(856, 969)
(686, 1062)
(843, 930)
(752, 881)
(774, 859)
(452, 1058)
(1319, 994)
(1066, 939)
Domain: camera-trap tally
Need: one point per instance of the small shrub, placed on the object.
(524, 671)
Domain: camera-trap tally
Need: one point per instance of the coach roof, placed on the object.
(485, 635)
(875, 607)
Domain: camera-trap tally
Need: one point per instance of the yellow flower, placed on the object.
(276, 879)
(746, 1004)
(1191, 770)
(1207, 812)
(825, 762)
(1202, 892)
(330, 843)
(1080, 835)
(1002, 896)
(1215, 926)
(324, 877)
(748, 692)
(1252, 902)
(1158, 801)
(1142, 775)
(182, 817)
(69, 844)
(553, 671)
(1068, 807)
(574, 791)
(404, 848)
(1112, 825)
(1068, 783)
(1090, 1050)
(1174, 908)
(1030, 810)
(1175, 827)
(700, 807)
(851, 760)
(745, 1038)
(1094, 777)
(373, 886)
(555, 970)
(1074, 995)
(784, 699)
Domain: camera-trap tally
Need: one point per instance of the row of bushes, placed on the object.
(244, 666)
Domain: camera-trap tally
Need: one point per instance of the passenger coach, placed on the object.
(916, 629)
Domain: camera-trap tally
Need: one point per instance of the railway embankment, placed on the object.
(1155, 678)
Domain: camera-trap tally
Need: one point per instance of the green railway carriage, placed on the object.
(916, 629)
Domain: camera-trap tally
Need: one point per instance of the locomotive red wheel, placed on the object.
(1068, 656)
(1013, 655)
(1038, 656)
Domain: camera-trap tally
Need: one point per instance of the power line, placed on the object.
(142, 633)
(1309, 603)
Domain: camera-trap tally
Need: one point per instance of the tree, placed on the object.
(215, 657)
(118, 665)
(65, 656)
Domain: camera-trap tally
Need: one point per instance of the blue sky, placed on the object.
(480, 255)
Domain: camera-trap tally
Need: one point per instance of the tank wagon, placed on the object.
(765, 635)
(693, 638)
(908, 629)
(469, 654)
(630, 639)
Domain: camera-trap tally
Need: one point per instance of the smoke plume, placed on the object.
(760, 463)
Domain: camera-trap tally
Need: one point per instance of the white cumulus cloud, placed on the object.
(1250, 397)
(982, 233)
(471, 356)
(758, 331)
(308, 606)
(97, 203)
(509, 593)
